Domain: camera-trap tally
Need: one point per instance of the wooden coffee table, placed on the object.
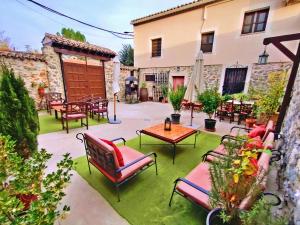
(177, 134)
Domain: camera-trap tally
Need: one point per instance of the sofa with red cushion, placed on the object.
(196, 186)
(117, 164)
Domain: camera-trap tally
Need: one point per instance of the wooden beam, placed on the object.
(80, 53)
(282, 38)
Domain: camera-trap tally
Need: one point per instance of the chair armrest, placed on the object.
(117, 139)
(135, 161)
(230, 138)
(193, 185)
(214, 154)
(240, 128)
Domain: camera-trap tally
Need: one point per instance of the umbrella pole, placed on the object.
(115, 117)
(114, 120)
(192, 112)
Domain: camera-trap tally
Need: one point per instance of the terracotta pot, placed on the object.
(164, 100)
(250, 122)
(41, 91)
(143, 94)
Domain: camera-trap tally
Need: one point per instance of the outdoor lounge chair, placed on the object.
(74, 111)
(104, 158)
(53, 99)
(196, 186)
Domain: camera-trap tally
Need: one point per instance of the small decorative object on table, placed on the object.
(168, 124)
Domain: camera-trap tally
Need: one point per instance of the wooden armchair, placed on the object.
(53, 99)
(105, 157)
(244, 112)
(99, 107)
(226, 109)
(74, 111)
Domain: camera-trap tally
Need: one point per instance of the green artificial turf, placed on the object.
(49, 124)
(144, 199)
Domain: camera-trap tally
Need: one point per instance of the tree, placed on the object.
(126, 55)
(18, 114)
(27, 195)
(5, 44)
(71, 34)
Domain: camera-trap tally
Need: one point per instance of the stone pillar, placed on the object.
(54, 70)
(291, 148)
(108, 70)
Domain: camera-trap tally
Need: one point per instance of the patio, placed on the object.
(134, 117)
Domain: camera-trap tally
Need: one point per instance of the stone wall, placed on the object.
(33, 72)
(211, 74)
(54, 70)
(291, 148)
(259, 73)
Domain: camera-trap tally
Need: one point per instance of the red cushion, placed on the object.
(117, 151)
(257, 131)
(255, 143)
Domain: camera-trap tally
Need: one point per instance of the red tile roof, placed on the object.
(172, 11)
(22, 55)
(55, 39)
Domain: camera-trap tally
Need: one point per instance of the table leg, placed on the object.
(195, 140)
(140, 140)
(56, 116)
(174, 153)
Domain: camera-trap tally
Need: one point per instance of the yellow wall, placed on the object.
(181, 34)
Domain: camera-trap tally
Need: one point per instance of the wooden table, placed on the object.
(57, 109)
(177, 134)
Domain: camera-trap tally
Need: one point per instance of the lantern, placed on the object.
(263, 58)
(168, 124)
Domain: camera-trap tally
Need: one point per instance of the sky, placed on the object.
(25, 24)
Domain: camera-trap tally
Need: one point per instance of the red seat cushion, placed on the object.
(117, 151)
(255, 143)
(257, 131)
(201, 177)
(74, 116)
(220, 149)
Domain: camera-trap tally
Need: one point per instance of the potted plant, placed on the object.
(269, 99)
(164, 90)
(176, 96)
(210, 100)
(41, 89)
(235, 178)
(144, 92)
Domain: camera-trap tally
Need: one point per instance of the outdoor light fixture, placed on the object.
(168, 124)
(263, 58)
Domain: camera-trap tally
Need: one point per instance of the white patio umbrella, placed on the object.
(115, 87)
(195, 83)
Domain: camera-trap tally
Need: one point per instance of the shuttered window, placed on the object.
(207, 41)
(156, 47)
(255, 21)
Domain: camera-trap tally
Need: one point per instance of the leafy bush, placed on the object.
(210, 100)
(127, 55)
(164, 90)
(240, 97)
(27, 195)
(226, 97)
(176, 96)
(270, 99)
(18, 115)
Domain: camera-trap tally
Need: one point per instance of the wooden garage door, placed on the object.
(84, 80)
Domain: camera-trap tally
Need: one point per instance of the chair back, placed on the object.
(228, 106)
(101, 153)
(53, 96)
(100, 104)
(76, 108)
(246, 108)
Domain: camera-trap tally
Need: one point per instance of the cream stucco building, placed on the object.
(230, 32)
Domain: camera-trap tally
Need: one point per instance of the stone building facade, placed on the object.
(291, 148)
(31, 67)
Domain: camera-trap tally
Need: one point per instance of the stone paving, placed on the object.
(88, 207)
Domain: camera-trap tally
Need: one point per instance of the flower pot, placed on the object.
(143, 94)
(41, 91)
(213, 218)
(250, 122)
(175, 118)
(210, 125)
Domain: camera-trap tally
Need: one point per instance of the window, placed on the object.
(156, 47)
(207, 41)
(150, 77)
(255, 21)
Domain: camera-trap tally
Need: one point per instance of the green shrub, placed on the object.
(21, 178)
(210, 100)
(164, 90)
(18, 115)
(176, 96)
